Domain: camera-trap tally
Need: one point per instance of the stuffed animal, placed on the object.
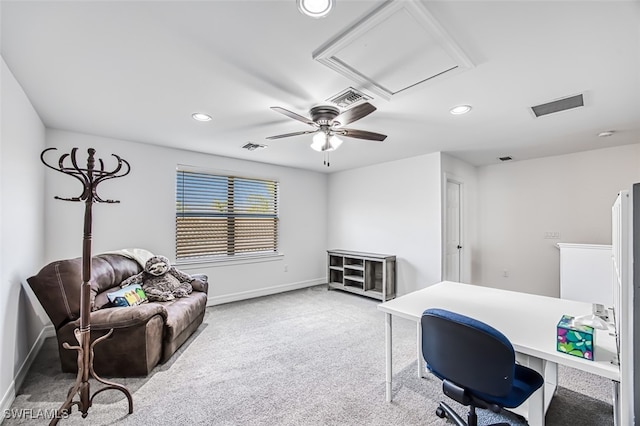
(161, 281)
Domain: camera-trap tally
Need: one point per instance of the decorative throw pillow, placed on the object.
(131, 295)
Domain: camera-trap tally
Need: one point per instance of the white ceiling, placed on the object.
(138, 70)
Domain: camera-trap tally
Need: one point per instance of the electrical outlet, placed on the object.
(286, 268)
(505, 273)
(552, 235)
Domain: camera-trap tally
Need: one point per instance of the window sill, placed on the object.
(218, 262)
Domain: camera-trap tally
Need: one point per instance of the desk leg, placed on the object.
(421, 370)
(616, 402)
(536, 401)
(550, 380)
(388, 350)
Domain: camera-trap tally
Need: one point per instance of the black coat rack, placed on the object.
(90, 178)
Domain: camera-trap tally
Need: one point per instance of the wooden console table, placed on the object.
(368, 274)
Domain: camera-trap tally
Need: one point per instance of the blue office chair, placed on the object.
(476, 364)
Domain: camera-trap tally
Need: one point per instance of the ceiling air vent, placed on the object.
(253, 146)
(348, 97)
(505, 158)
(559, 105)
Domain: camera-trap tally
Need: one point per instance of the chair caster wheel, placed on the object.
(440, 412)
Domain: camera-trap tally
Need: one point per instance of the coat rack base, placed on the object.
(82, 387)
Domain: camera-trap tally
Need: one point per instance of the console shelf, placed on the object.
(368, 274)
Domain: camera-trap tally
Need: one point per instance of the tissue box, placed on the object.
(575, 340)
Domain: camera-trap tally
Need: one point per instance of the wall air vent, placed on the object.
(559, 105)
(348, 97)
(253, 146)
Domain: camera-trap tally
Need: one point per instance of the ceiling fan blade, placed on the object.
(360, 134)
(294, 115)
(355, 113)
(286, 135)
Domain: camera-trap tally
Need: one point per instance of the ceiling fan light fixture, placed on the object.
(201, 116)
(460, 109)
(335, 142)
(315, 8)
(323, 142)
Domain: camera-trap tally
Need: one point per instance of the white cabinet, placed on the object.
(586, 273)
(368, 274)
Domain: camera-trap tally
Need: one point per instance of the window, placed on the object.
(223, 216)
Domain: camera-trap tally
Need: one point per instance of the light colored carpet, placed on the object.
(306, 357)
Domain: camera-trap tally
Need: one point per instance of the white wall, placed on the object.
(521, 200)
(467, 175)
(22, 138)
(392, 208)
(145, 216)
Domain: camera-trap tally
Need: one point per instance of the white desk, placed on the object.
(528, 321)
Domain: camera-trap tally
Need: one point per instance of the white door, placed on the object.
(453, 242)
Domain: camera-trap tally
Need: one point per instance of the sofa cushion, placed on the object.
(182, 312)
(108, 271)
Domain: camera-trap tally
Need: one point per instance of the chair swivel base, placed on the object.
(444, 410)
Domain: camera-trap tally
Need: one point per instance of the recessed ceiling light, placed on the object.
(201, 116)
(606, 134)
(315, 8)
(460, 109)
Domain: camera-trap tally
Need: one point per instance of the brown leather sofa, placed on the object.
(143, 335)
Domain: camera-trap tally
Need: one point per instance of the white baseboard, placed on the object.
(16, 383)
(243, 295)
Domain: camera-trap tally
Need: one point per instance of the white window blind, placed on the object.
(221, 216)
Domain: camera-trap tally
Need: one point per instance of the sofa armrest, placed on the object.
(123, 317)
(200, 283)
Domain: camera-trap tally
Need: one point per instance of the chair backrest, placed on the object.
(467, 352)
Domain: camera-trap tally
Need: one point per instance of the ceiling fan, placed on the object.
(327, 122)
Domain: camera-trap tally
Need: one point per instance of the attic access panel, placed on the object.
(394, 48)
